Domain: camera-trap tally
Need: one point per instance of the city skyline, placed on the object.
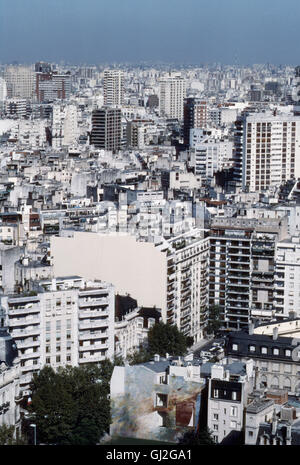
(96, 32)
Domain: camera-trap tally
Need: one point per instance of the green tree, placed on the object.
(202, 437)
(214, 320)
(7, 436)
(139, 356)
(71, 406)
(164, 338)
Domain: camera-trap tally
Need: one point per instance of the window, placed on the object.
(235, 347)
(216, 393)
(162, 379)
(275, 351)
(68, 358)
(233, 424)
(287, 368)
(234, 395)
(47, 348)
(216, 416)
(275, 366)
(216, 427)
(233, 411)
(47, 360)
(58, 358)
(250, 433)
(252, 348)
(161, 400)
(287, 353)
(264, 350)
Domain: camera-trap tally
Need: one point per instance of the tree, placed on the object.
(214, 319)
(7, 436)
(164, 338)
(202, 437)
(139, 356)
(71, 406)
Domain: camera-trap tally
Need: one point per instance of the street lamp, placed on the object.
(34, 432)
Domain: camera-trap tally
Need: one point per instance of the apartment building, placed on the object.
(20, 81)
(195, 116)
(106, 129)
(275, 358)
(271, 148)
(228, 389)
(170, 274)
(10, 395)
(242, 268)
(65, 321)
(287, 277)
(131, 329)
(113, 87)
(171, 96)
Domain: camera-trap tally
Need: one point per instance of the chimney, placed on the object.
(275, 333)
(156, 357)
(167, 355)
(251, 328)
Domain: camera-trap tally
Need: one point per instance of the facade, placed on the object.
(66, 321)
(177, 269)
(10, 394)
(228, 389)
(287, 296)
(171, 96)
(20, 82)
(275, 358)
(242, 268)
(131, 329)
(271, 148)
(158, 400)
(113, 87)
(106, 129)
(51, 86)
(195, 116)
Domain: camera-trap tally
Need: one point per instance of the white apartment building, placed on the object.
(172, 89)
(67, 321)
(211, 156)
(70, 126)
(228, 390)
(20, 81)
(169, 274)
(271, 150)
(9, 382)
(113, 87)
(132, 331)
(287, 290)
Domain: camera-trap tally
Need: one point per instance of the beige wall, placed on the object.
(136, 268)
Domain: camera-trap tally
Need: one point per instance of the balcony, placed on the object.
(93, 324)
(92, 303)
(25, 332)
(14, 322)
(86, 335)
(93, 313)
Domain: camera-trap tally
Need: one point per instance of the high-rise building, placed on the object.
(113, 87)
(270, 150)
(242, 268)
(51, 86)
(106, 129)
(171, 96)
(68, 321)
(20, 81)
(195, 116)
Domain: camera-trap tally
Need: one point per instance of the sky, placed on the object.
(240, 32)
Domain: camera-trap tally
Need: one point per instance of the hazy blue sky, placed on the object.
(197, 31)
